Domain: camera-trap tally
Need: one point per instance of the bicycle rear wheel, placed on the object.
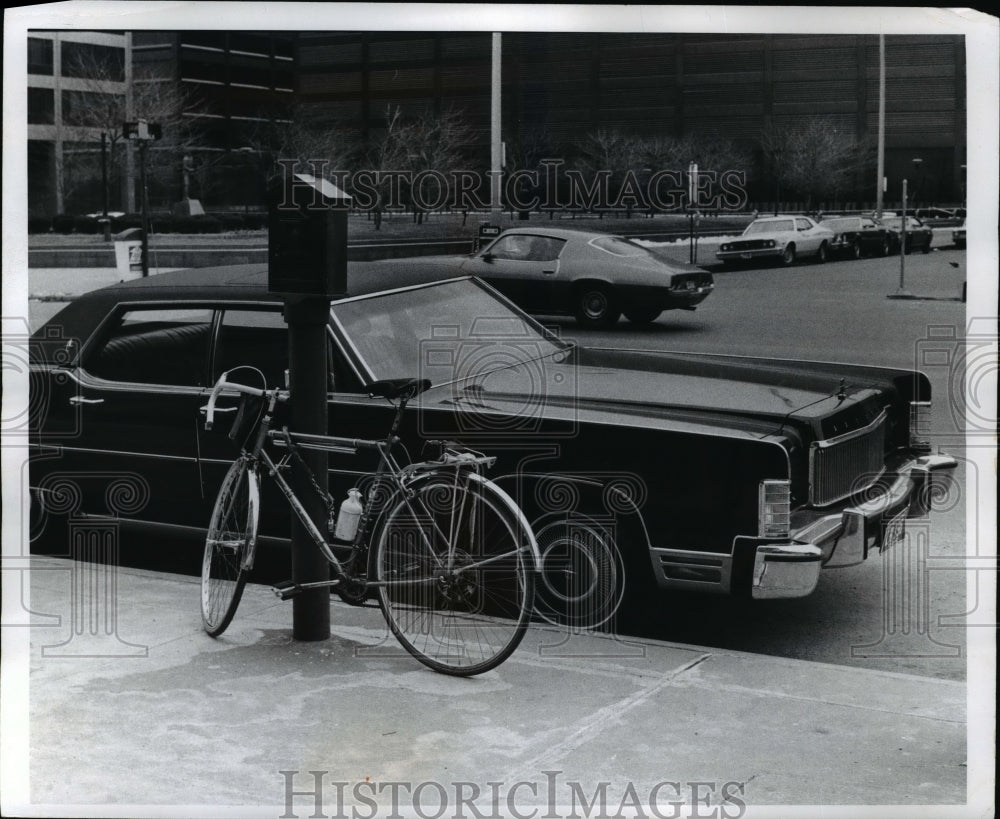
(455, 574)
(229, 546)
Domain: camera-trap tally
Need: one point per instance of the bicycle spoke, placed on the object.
(454, 580)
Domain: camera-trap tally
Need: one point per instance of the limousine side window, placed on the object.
(255, 337)
(155, 346)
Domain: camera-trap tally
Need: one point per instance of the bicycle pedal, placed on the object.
(286, 589)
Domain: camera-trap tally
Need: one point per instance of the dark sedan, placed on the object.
(546, 271)
(637, 469)
(857, 236)
(918, 235)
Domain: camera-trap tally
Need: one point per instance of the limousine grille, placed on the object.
(849, 463)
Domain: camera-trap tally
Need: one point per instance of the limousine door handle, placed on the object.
(548, 272)
(79, 399)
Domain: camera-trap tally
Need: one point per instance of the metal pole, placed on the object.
(496, 158)
(145, 207)
(104, 185)
(902, 244)
(307, 317)
(881, 126)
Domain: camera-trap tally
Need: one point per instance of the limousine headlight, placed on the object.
(724, 247)
(769, 243)
(774, 508)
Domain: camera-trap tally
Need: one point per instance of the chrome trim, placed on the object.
(820, 446)
(782, 570)
(845, 537)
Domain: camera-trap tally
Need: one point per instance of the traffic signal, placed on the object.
(142, 130)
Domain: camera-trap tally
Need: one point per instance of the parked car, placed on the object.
(918, 235)
(784, 238)
(939, 217)
(958, 235)
(857, 236)
(592, 276)
(637, 469)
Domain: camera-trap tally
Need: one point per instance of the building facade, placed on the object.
(556, 88)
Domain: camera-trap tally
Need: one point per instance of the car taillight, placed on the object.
(774, 508)
(920, 421)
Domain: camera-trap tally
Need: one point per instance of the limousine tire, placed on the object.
(856, 250)
(581, 579)
(823, 253)
(886, 247)
(595, 306)
(788, 257)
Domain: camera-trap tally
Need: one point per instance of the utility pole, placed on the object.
(496, 148)
(880, 188)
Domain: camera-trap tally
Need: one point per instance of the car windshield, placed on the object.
(841, 224)
(617, 246)
(770, 226)
(446, 331)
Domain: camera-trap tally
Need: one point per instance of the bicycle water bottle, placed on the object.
(350, 514)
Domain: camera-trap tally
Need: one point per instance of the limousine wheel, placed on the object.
(788, 257)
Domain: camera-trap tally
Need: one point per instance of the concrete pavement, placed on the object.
(133, 710)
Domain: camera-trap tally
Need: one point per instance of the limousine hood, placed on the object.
(755, 396)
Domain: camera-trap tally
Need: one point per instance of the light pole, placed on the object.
(917, 162)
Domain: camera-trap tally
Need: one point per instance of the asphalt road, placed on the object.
(906, 611)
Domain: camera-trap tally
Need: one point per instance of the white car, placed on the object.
(783, 237)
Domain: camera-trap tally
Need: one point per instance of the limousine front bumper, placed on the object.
(846, 536)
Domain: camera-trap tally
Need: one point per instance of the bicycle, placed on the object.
(454, 559)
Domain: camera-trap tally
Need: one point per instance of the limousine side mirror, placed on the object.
(488, 258)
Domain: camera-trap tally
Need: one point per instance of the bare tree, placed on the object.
(413, 155)
(813, 159)
(97, 107)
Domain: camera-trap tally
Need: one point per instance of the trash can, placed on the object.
(128, 253)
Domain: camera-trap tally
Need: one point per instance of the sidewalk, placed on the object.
(134, 709)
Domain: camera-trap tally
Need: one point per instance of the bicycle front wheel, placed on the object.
(455, 573)
(229, 546)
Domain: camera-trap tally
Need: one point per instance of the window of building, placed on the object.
(41, 106)
(91, 108)
(93, 62)
(39, 56)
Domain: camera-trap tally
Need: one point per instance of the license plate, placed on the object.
(689, 285)
(893, 530)
(746, 255)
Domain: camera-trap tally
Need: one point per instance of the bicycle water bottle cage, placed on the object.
(395, 388)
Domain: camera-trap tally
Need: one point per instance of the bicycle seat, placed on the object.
(393, 388)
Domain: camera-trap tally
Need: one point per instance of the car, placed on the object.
(918, 235)
(782, 238)
(958, 235)
(549, 271)
(775, 468)
(857, 236)
(939, 217)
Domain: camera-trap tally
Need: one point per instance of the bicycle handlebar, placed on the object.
(223, 384)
